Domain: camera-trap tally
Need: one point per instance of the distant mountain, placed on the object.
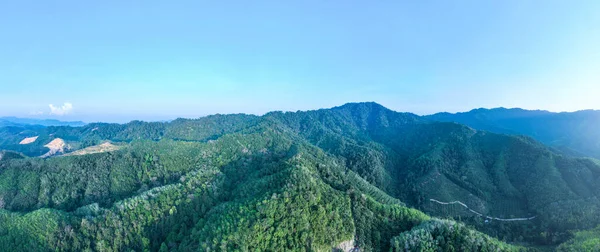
(575, 133)
(15, 121)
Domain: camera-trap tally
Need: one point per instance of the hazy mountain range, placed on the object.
(15, 121)
(573, 132)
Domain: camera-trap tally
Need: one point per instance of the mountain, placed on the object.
(359, 175)
(15, 121)
(418, 161)
(574, 133)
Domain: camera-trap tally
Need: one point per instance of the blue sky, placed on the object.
(154, 60)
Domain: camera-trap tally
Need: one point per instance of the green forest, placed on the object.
(358, 177)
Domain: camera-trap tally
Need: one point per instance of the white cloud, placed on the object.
(66, 108)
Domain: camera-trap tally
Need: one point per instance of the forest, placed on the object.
(358, 176)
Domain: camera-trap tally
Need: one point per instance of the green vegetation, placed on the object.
(441, 235)
(359, 174)
(583, 241)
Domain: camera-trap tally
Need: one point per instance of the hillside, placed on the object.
(356, 174)
(498, 175)
(574, 133)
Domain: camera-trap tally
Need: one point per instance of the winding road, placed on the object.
(480, 214)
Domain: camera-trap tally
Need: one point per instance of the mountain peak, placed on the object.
(364, 106)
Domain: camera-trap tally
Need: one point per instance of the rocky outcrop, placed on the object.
(346, 246)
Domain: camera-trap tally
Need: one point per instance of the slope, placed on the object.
(498, 175)
(574, 133)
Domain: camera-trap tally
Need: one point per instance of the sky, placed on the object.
(156, 60)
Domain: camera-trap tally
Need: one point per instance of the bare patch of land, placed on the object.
(28, 140)
(105, 147)
(346, 246)
(56, 146)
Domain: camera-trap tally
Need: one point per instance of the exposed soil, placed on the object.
(28, 140)
(105, 147)
(56, 146)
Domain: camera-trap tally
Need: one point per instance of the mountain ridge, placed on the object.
(571, 132)
(16, 121)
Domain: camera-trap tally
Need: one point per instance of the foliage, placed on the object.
(443, 235)
(583, 241)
